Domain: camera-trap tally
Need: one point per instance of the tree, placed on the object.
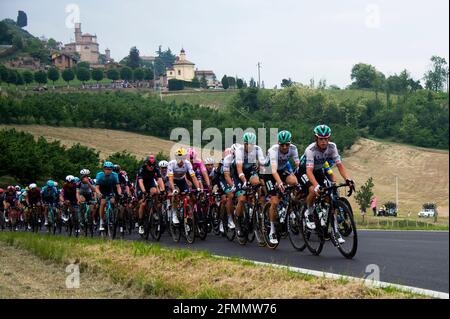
(17, 42)
(40, 77)
(134, 61)
(240, 84)
(195, 83)
(84, 64)
(112, 74)
(27, 77)
(22, 19)
(19, 80)
(148, 74)
(53, 75)
(138, 74)
(97, 75)
(286, 83)
(176, 85)
(437, 77)
(5, 35)
(68, 75)
(364, 195)
(378, 83)
(225, 83)
(203, 82)
(12, 77)
(83, 75)
(232, 82)
(52, 44)
(126, 73)
(363, 76)
(3, 73)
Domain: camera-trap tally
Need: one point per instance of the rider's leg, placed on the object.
(274, 201)
(229, 206)
(102, 212)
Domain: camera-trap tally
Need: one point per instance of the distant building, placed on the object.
(182, 68)
(85, 44)
(210, 77)
(63, 61)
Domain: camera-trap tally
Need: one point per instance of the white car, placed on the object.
(426, 213)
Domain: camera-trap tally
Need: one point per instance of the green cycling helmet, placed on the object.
(249, 138)
(284, 137)
(322, 131)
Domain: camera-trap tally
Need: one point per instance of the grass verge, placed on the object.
(157, 272)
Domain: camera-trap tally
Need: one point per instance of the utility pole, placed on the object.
(396, 191)
(259, 74)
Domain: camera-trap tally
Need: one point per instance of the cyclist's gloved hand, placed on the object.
(175, 192)
(199, 190)
(244, 185)
(350, 182)
(317, 190)
(281, 187)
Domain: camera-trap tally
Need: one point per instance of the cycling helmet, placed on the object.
(1, 191)
(181, 153)
(10, 189)
(24, 194)
(18, 188)
(322, 131)
(50, 183)
(70, 178)
(76, 180)
(250, 138)
(209, 161)
(192, 153)
(85, 172)
(33, 185)
(123, 173)
(284, 137)
(56, 184)
(108, 165)
(163, 164)
(116, 168)
(150, 160)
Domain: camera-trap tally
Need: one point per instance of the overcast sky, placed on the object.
(291, 38)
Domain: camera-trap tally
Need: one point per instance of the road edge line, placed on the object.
(367, 282)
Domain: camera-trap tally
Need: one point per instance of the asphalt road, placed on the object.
(412, 258)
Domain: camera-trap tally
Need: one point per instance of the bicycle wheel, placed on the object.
(215, 219)
(112, 224)
(265, 227)
(347, 225)
(250, 211)
(175, 230)
(202, 224)
(314, 239)
(257, 217)
(242, 222)
(155, 224)
(293, 224)
(189, 224)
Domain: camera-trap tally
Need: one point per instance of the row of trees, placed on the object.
(81, 72)
(366, 76)
(29, 160)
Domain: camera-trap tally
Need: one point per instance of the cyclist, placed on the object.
(177, 171)
(163, 165)
(87, 191)
(147, 175)
(227, 184)
(34, 197)
(107, 183)
(199, 168)
(10, 201)
(277, 171)
(247, 159)
(2, 197)
(69, 195)
(312, 163)
(50, 196)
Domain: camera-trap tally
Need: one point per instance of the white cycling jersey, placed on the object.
(281, 160)
(179, 172)
(316, 158)
(250, 158)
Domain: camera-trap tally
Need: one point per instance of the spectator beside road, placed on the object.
(373, 205)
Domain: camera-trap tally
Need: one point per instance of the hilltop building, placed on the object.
(182, 69)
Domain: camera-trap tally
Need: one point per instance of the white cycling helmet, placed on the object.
(163, 164)
(209, 161)
(56, 184)
(85, 172)
(70, 178)
(32, 186)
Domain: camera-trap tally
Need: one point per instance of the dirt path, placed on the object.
(23, 275)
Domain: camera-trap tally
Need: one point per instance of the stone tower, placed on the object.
(77, 32)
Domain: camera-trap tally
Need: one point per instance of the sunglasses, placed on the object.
(285, 144)
(323, 139)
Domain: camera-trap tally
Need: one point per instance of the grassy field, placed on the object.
(220, 99)
(122, 269)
